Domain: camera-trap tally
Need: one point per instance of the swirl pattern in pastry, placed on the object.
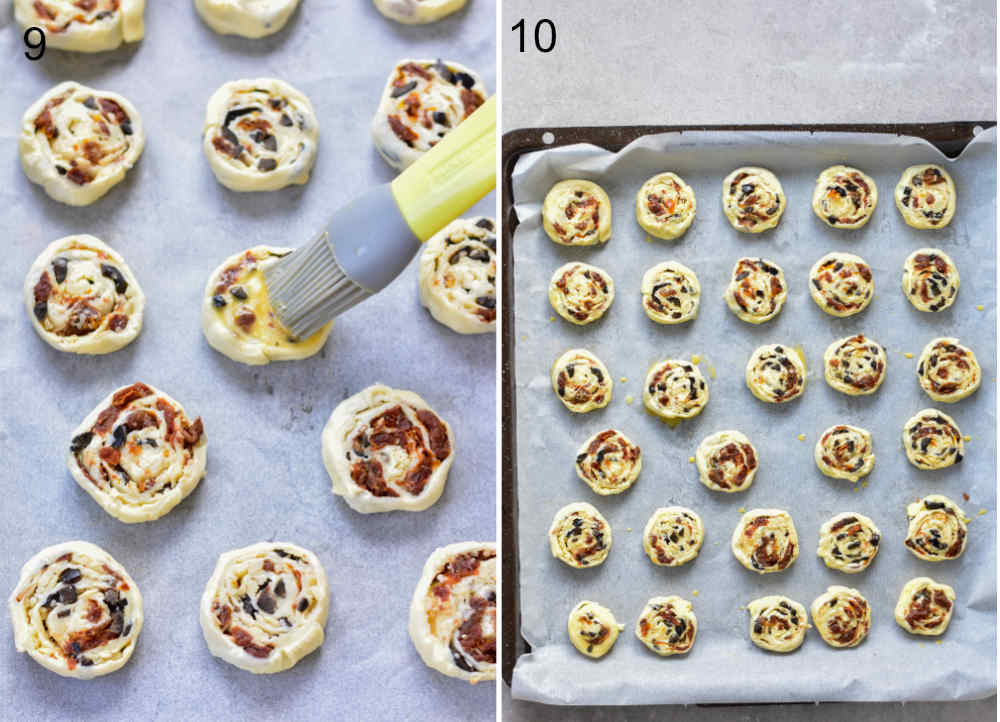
(675, 389)
(752, 199)
(86, 26)
(581, 381)
(609, 462)
(844, 197)
(854, 365)
(670, 293)
(948, 371)
(580, 536)
(418, 12)
(841, 284)
(776, 374)
(765, 540)
(581, 293)
(248, 18)
(665, 206)
(667, 626)
(845, 452)
(673, 536)
(593, 629)
(457, 275)
(777, 623)
(932, 440)
(757, 290)
(848, 542)
(925, 607)
(937, 529)
(842, 616)
(930, 279)
(727, 461)
(577, 213)
(925, 196)
(265, 606)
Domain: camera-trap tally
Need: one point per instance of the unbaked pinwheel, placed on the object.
(925, 196)
(137, 454)
(665, 206)
(77, 142)
(581, 293)
(609, 462)
(752, 199)
(854, 365)
(82, 297)
(673, 536)
(777, 623)
(422, 102)
(765, 541)
(593, 629)
(457, 275)
(667, 626)
(236, 314)
(675, 389)
(670, 293)
(948, 371)
(260, 134)
(86, 26)
(577, 213)
(581, 381)
(930, 279)
(249, 18)
(925, 606)
(841, 284)
(842, 616)
(418, 12)
(937, 528)
(848, 542)
(776, 374)
(844, 197)
(932, 440)
(453, 613)
(264, 607)
(386, 449)
(845, 452)
(580, 536)
(757, 290)
(727, 461)
(76, 611)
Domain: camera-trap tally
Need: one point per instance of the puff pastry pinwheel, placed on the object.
(577, 213)
(249, 18)
(82, 297)
(925, 606)
(841, 284)
(930, 280)
(757, 290)
(925, 196)
(265, 606)
(665, 206)
(77, 142)
(776, 374)
(667, 626)
(848, 542)
(932, 440)
(418, 12)
(593, 629)
(765, 541)
(386, 449)
(609, 462)
(948, 371)
(581, 381)
(854, 365)
(752, 199)
(845, 452)
(670, 293)
(675, 389)
(937, 528)
(673, 536)
(777, 623)
(581, 293)
(842, 616)
(844, 197)
(76, 611)
(422, 102)
(137, 454)
(457, 275)
(453, 613)
(86, 26)
(580, 536)
(727, 461)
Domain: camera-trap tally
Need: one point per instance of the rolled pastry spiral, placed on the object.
(937, 529)
(925, 196)
(260, 134)
(581, 381)
(453, 613)
(757, 290)
(932, 440)
(673, 536)
(845, 452)
(82, 297)
(925, 606)
(137, 454)
(580, 536)
(248, 18)
(948, 371)
(593, 629)
(581, 293)
(765, 540)
(386, 449)
(854, 365)
(848, 542)
(265, 606)
(418, 12)
(665, 206)
(776, 374)
(841, 284)
(77, 142)
(76, 611)
(238, 319)
(777, 623)
(670, 293)
(841, 616)
(727, 461)
(844, 197)
(752, 199)
(675, 389)
(577, 213)
(667, 625)
(930, 279)
(458, 275)
(423, 101)
(609, 462)
(86, 26)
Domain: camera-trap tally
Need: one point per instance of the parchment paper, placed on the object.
(174, 224)
(724, 666)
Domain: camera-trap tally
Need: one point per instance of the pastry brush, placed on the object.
(372, 239)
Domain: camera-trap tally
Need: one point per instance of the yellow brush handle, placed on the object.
(444, 182)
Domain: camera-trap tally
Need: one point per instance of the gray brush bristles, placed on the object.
(307, 288)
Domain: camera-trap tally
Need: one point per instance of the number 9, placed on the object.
(39, 46)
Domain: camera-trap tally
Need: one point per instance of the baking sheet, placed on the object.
(724, 666)
(174, 224)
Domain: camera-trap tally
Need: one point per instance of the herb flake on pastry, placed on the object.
(581, 381)
(930, 280)
(925, 607)
(670, 293)
(757, 290)
(844, 197)
(673, 536)
(667, 626)
(845, 452)
(854, 365)
(752, 199)
(776, 374)
(675, 389)
(457, 275)
(609, 462)
(248, 18)
(418, 12)
(937, 528)
(85, 26)
(848, 542)
(727, 461)
(777, 623)
(593, 629)
(925, 196)
(765, 541)
(577, 213)
(841, 284)
(842, 616)
(665, 206)
(932, 440)
(580, 536)
(581, 293)
(948, 371)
